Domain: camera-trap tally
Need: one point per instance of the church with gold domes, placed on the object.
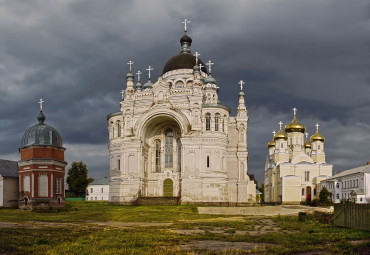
(294, 166)
(174, 138)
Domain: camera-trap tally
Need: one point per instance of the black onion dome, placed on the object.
(41, 134)
(186, 39)
(182, 61)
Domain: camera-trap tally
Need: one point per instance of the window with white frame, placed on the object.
(58, 185)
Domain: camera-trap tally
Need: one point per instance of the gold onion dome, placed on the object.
(317, 137)
(271, 143)
(280, 136)
(295, 126)
(307, 144)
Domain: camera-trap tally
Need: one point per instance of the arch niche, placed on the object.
(160, 133)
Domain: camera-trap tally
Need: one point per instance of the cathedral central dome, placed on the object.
(184, 60)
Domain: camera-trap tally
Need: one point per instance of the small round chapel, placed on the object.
(42, 167)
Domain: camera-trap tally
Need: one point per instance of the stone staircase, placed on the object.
(157, 201)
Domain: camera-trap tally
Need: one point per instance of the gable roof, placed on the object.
(101, 181)
(360, 169)
(8, 168)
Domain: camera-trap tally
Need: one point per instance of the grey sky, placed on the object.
(312, 55)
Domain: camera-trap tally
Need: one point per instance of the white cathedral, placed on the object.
(173, 138)
(294, 168)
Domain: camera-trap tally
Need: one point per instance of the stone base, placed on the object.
(35, 204)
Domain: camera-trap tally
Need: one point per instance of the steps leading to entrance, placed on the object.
(158, 201)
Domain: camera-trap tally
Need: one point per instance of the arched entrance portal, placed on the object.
(161, 154)
(168, 188)
(308, 194)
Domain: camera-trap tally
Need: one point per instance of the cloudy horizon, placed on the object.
(312, 55)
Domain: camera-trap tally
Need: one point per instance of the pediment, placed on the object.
(302, 158)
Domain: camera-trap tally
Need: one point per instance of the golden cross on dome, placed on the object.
(122, 93)
(280, 124)
(138, 75)
(40, 102)
(130, 64)
(196, 57)
(185, 22)
(149, 69)
(317, 126)
(295, 111)
(241, 84)
(210, 66)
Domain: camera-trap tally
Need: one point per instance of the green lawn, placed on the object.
(100, 228)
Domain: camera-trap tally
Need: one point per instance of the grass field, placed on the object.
(100, 228)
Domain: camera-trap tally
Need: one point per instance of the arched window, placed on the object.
(217, 121)
(157, 155)
(179, 154)
(208, 121)
(169, 148)
(118, 128)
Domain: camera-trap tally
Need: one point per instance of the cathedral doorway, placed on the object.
(168, 188)
(308, 194)
(162, 149)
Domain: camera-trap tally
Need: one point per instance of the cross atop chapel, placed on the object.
(274, 132)
(295, 111)
(40, 102)
(210, 66)
(149, 69)
(185, 22)
(196, 57)
(241, 84)
(317, 126)
(280, 124)
(138, 75)
(306, 134)
(130, 64)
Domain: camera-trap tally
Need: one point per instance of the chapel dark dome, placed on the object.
(184, 60)
(41, 134)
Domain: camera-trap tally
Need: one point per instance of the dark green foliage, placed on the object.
(77, 179)
(324, 197)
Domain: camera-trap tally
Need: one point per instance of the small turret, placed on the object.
(317, 140)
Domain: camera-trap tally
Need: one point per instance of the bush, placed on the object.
(324, 197)
(315, 202)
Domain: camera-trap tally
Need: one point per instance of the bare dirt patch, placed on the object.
(220, 246)
(126, 225)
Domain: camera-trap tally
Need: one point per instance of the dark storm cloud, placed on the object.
(313, 55)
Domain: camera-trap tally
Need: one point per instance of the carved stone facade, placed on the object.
(174, 138)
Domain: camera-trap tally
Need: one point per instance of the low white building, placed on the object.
(352, 184)
(98, 190)
(9, 183)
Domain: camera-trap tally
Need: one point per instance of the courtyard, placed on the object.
(101, 228)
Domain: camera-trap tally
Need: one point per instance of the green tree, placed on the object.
(77, 179)
(324, 197)
(262, 190)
